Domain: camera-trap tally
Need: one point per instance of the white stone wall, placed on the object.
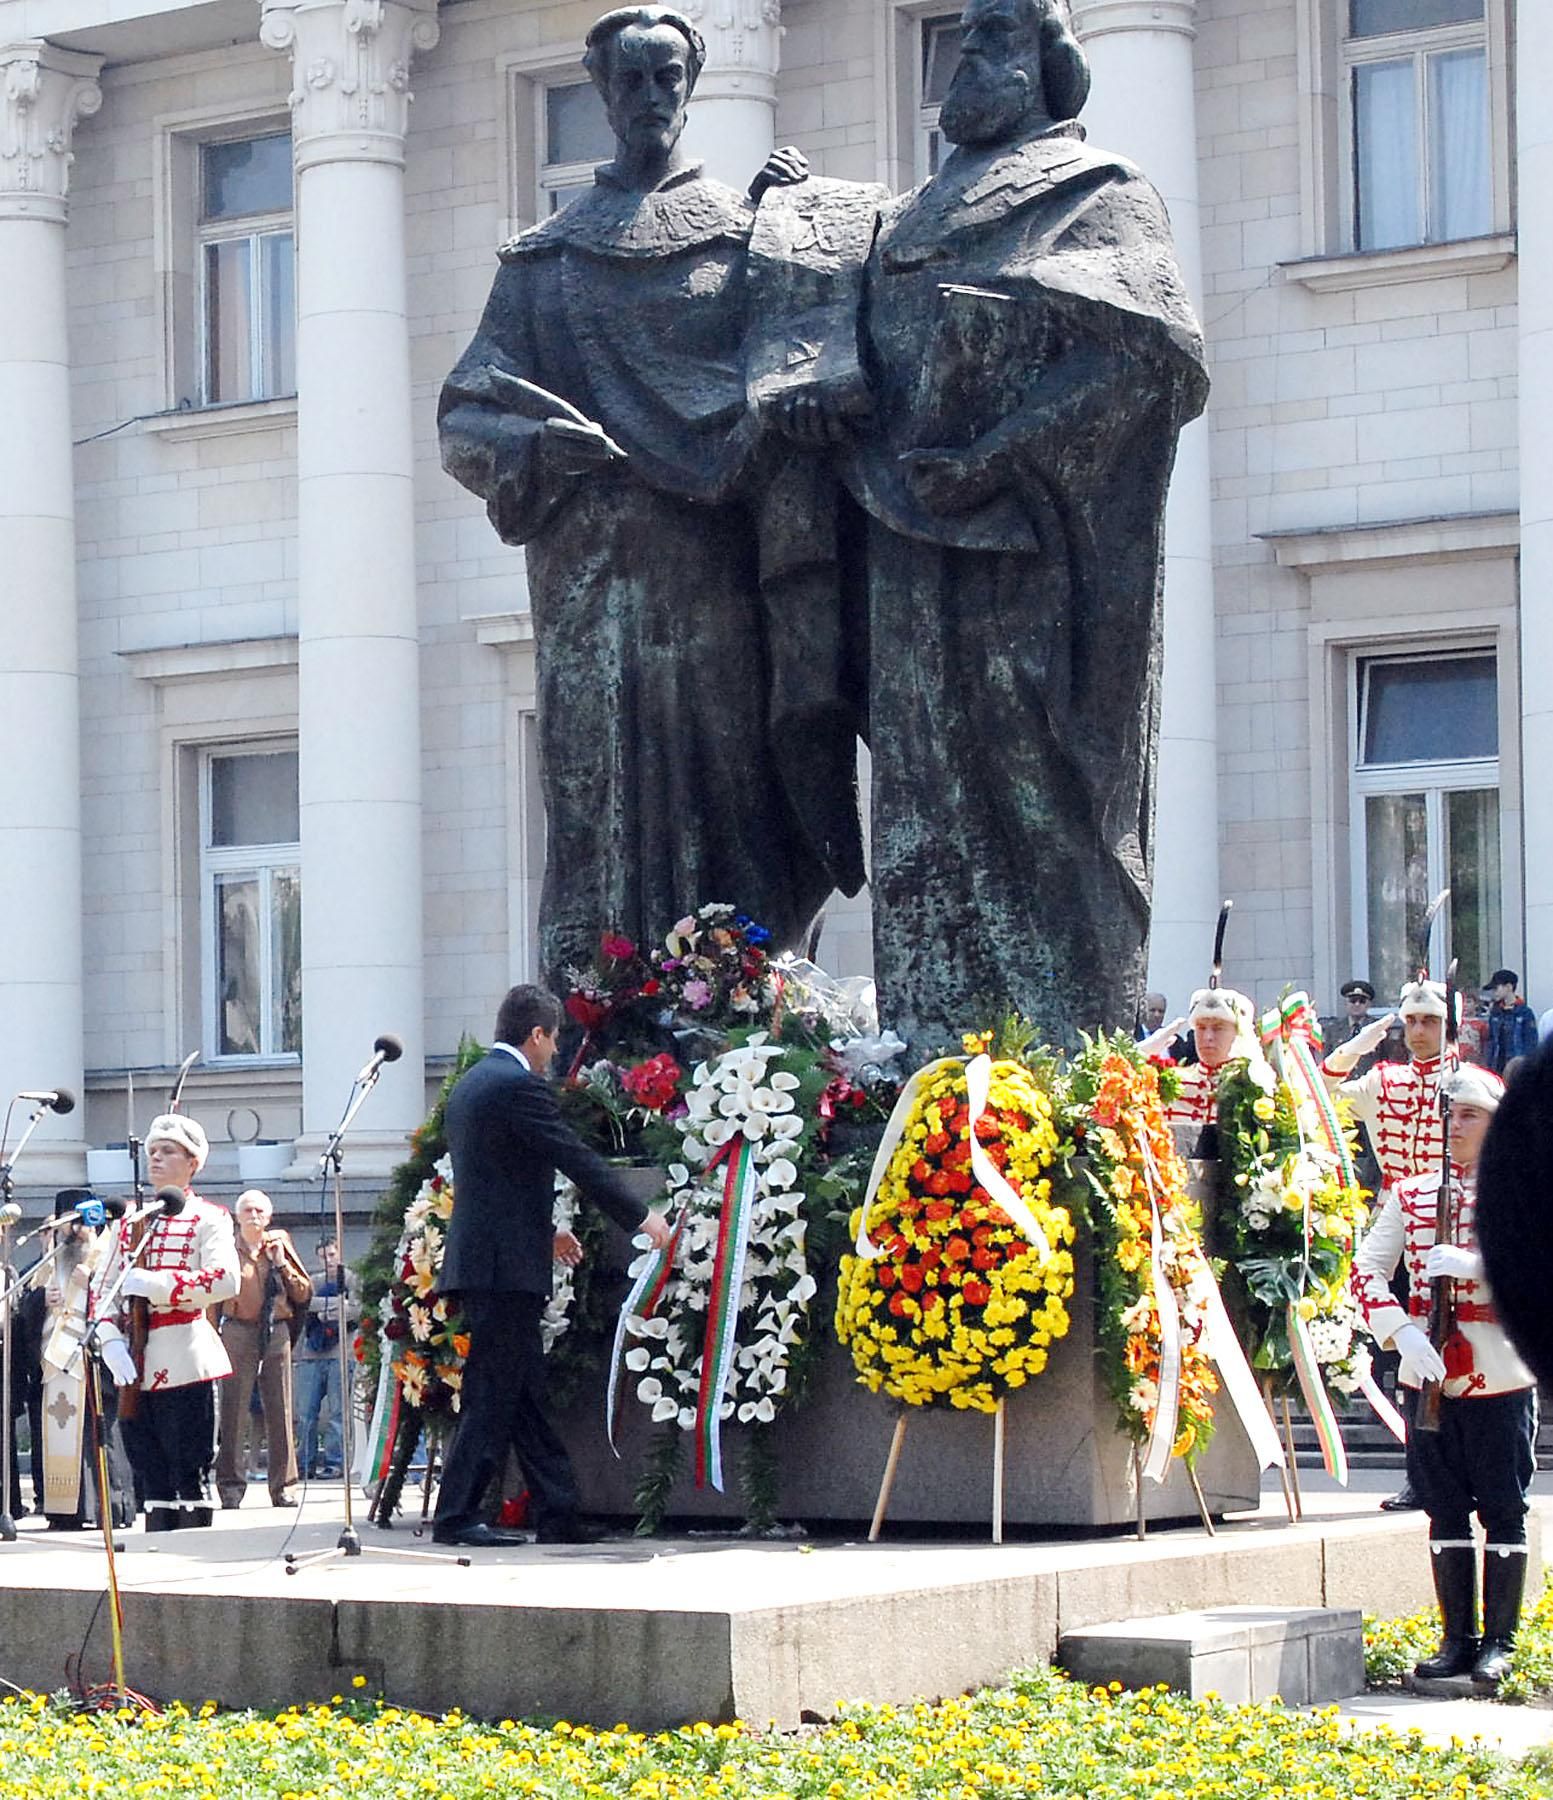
(1328, 409)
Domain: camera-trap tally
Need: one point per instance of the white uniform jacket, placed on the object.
(1197, 1098)
(1479, 1359)
(193, 1260)
(1399, 1105)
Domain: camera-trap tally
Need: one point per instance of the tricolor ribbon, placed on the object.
(376, 1450)
(722, 1307)
(1002, 1192)
(1290, 1027)
(640, 1303)
(1167, 1407)
(1324, 1418)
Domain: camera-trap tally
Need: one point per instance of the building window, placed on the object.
(251, 880)
(940, 57)
(1420, 115)
(247, 270)
(574, 138)
(1426, 814)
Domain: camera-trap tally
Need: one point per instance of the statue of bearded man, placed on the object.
(1034, 357)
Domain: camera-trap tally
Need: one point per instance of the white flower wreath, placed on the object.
(745, 1092)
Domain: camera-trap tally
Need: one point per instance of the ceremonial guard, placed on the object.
(65, 1433)
(1482, 1456)
(1223, 1025)
(187, 1266)
(1398, 1102)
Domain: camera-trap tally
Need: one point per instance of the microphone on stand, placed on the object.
(169, 1201)
(59, 1100)
(9, 1214)
(89, 1212)
(385, 1049)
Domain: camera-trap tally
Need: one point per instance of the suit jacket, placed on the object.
(507, 1139)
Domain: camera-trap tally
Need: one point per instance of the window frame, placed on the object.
(251, 229)
(1417, 46)
(216, 862)
(1433, 778)
(925, 112)
(179, 257)
(1327, 158)
(550, 178)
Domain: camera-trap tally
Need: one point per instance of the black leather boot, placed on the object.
(1504, 1584)
(1455, 1570)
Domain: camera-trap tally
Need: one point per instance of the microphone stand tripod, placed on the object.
(349, 1541)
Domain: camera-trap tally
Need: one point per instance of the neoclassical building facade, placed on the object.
(268, 783)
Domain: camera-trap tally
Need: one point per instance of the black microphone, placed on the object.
(385, 1049)
(59, 1100)
(171, 1200)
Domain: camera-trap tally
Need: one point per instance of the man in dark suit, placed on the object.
(507, 1139)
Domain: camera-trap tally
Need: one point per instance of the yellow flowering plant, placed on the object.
(958, 1308)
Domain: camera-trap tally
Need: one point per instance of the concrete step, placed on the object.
(1305, 1655)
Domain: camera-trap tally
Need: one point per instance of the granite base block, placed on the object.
(1304, 1655)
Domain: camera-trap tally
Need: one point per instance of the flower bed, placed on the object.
(1041, 1736)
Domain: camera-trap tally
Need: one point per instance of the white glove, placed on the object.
(1454, 1261)
(1157, 1043)
(1371, 1038)
(142, 1284)
(119, 1363)
(1421, 1362)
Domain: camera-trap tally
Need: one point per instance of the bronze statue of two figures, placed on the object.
(813, 464)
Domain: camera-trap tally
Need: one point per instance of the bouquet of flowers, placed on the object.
(1290, 1216)
(1136, 1177)
(948, 1299)
(715, 970)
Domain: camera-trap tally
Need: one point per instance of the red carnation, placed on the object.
(911, 1277)
(617, 948)
(976, 1293)
(589, 1012)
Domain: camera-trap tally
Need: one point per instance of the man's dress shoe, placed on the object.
(479, 1537)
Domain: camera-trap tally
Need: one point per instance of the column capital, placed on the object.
(43, 92)
(743, 48)
(350, 94)
(1095, 18)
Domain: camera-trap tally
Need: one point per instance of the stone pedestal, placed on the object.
(359, 685)
(1066, 1463)
(43, 92)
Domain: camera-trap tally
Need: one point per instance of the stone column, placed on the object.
(43, 92)
(1534, 157)
(1143, 105)
(359, 686)
(731, 125)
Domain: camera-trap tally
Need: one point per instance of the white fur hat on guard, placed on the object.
(1471, 1086)
(1220, 1003)
(1422, 997)
(176, 1128)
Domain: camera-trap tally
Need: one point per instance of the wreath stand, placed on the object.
(1289, 1474)
(892, 1463)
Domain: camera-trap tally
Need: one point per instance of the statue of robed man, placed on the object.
(697, 718)
(1034, 356)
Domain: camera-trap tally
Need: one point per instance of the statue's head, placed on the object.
(1020, 67)
(644, 61)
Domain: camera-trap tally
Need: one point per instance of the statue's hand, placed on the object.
(954, 481)
(821, 415)
(569, 449)
(782, 168)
